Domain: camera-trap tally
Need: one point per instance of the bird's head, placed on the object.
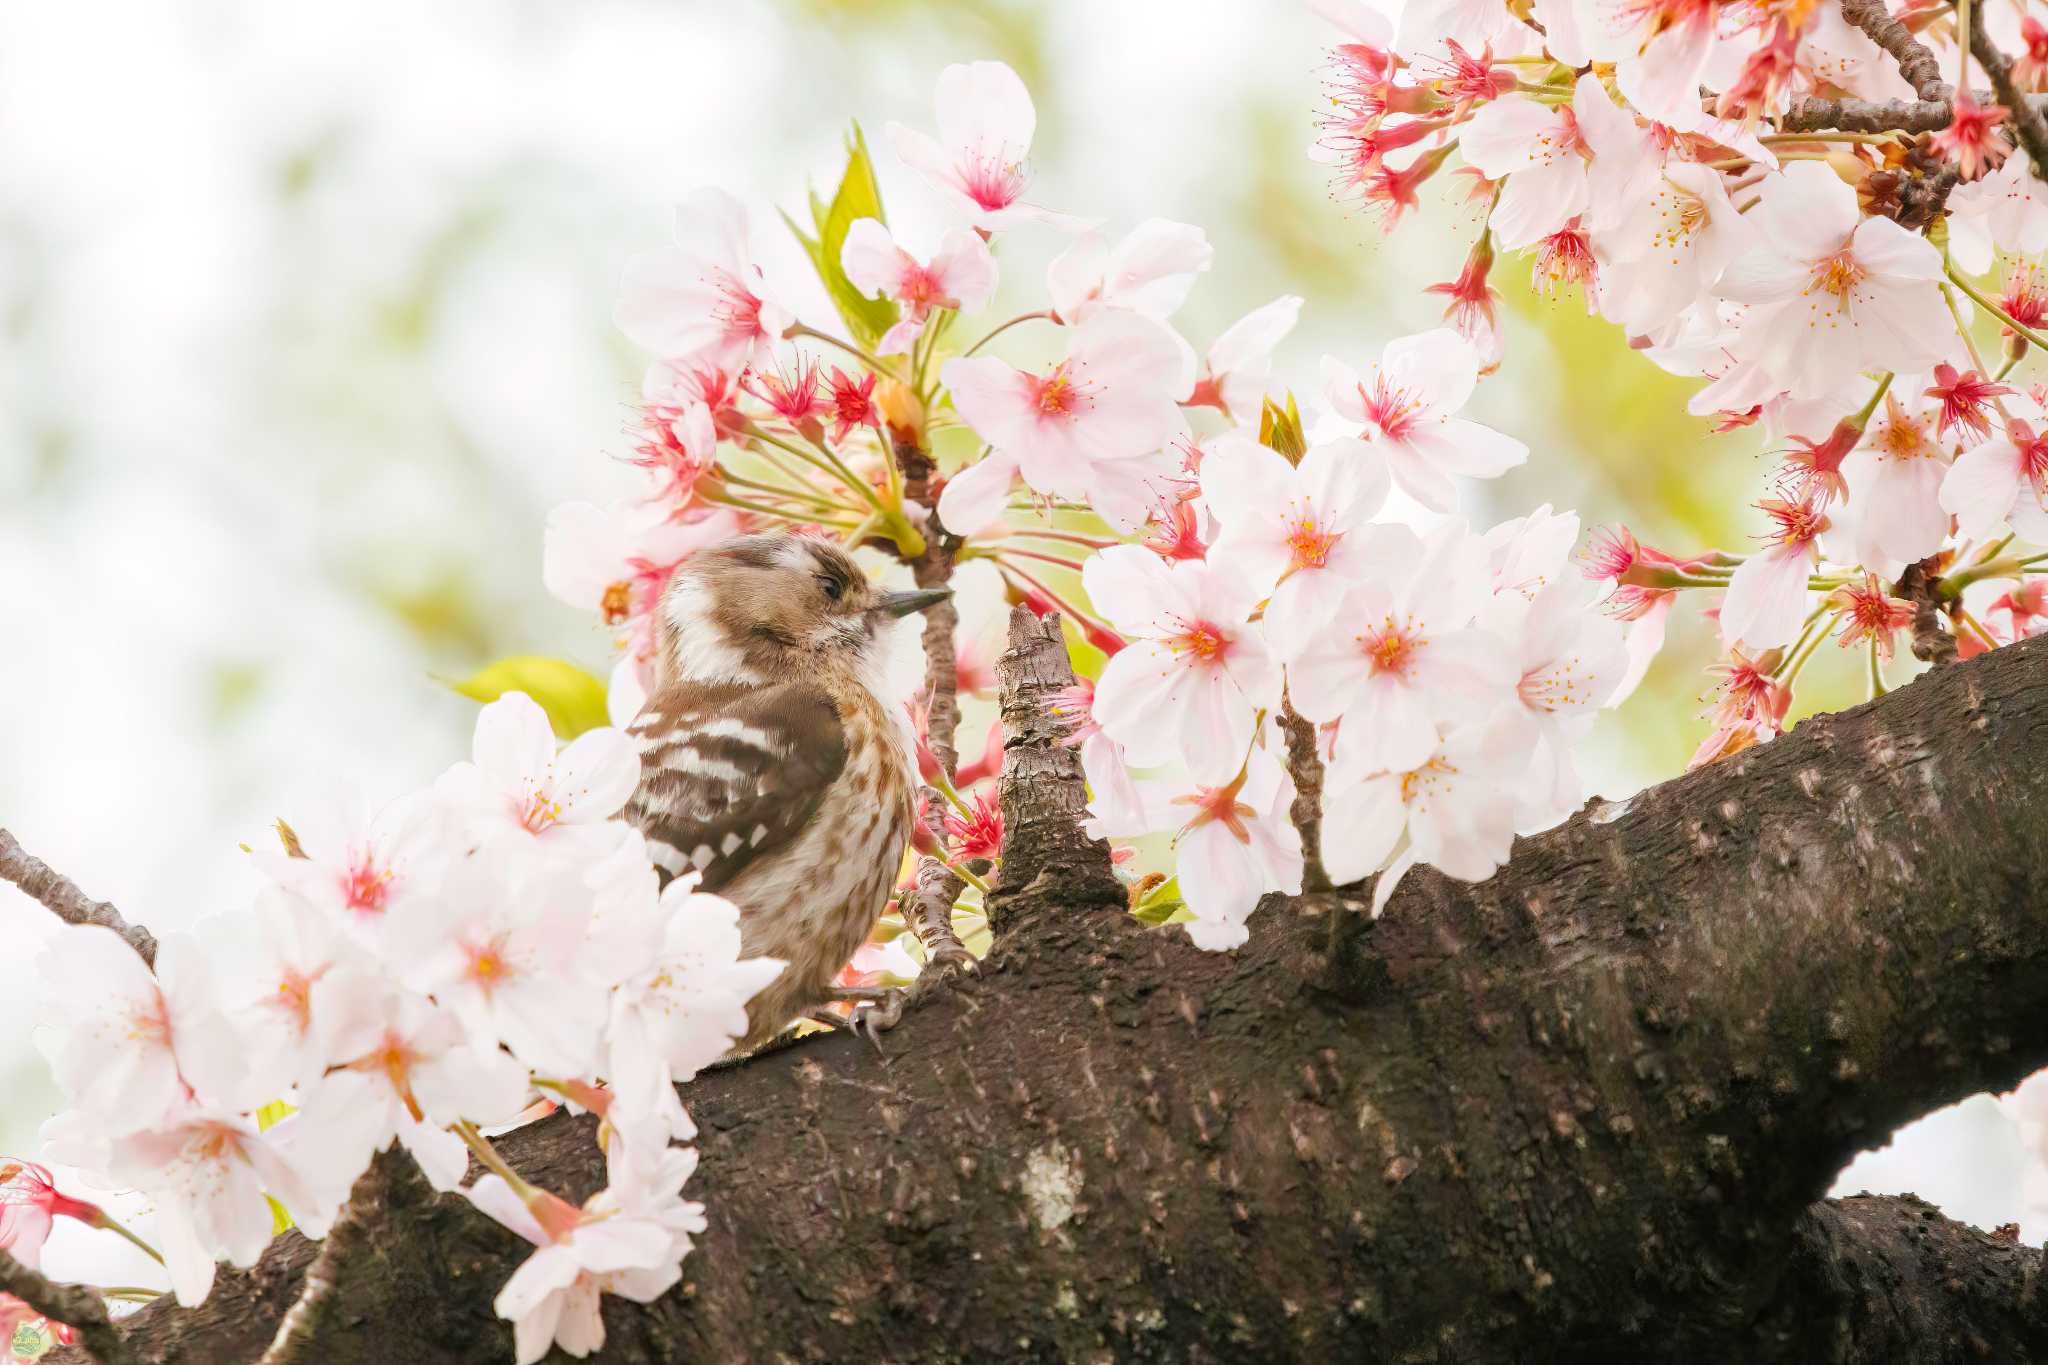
(766, 608)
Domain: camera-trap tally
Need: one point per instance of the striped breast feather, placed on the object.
(731, 774)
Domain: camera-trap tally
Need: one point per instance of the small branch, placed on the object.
(75, 1305)
(65, 900)
(2027, 121)
(928, 906)
(1044, 795)
(350, 1233)
(1305, 766)
(1916, 62)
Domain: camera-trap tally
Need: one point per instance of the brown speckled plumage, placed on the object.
(770, 762)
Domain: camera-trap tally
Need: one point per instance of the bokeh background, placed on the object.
(304, 325)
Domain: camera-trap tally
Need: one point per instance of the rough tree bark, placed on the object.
(1579, 1111)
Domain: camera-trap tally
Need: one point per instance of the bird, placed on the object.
(773, 767)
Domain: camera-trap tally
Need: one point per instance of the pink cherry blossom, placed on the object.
(1150, 271)
(1112, 400)
(29, 1203)
(1766, 600)
(1537, 150)
(961, 276)
(207, 1175)
(1661, 48)
(702, 300)
(1292, 530)
(401, 1067)
(1405, 410)
(628, 1239)
(1870, 613)
(1240, 361)
(1570, 660)
(361, 867)
(1399, 654)
(986, 123)
(1832, 293)
(2004, 479)
(687, 1004)
(1195, 676)
(129, 1047)
(518, 786)
(1454, 808)
(1893, 514)
(1234, 842)
(1668, 245)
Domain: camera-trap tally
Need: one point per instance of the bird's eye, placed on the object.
(834, 589)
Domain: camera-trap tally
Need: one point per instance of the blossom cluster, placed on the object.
(413, 975)
(1244, 564)
(1835, 277)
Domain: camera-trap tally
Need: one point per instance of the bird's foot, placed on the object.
(876, 1010)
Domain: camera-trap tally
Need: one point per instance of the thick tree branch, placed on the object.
(1579, 1111)
(64, 899)
(75, 1305)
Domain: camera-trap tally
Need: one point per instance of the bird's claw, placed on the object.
(947, 967)
(871, 1019)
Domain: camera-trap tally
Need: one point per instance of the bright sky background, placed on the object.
(304, 324)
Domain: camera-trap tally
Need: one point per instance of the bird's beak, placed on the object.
(904, 603)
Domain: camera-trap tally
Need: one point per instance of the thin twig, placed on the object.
(1916, 62)
(1305, 766)
(75, 1305)
(63, 898)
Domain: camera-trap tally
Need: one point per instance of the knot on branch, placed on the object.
(1044, 795)
(1921, 585)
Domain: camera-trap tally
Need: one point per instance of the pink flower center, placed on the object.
(921, 291)
(1311, 543)
(539, 812)
(1391, 648)
(1419, 784)
(993, 182)
(366, 887)
(1056, 394)
(1219, 805)
(1393, 410)
(488, 968)
(1837, 274)
(738, 309)
(1205, 641)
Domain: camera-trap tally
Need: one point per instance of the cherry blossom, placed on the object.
(2004, 479)
(702, 300)
(1240, 360)
(127, 1045)
(208, 1174)
(1536, 150)
(360, 867)
(30, 1203)
(1405, 408)
(688, 1004)
(986, 122)
(1831, 293)
(1669, 245)
(628, 1239)
(1893, 513)
(1292, 529)
(1454, 808)
(1110, 402)
(1399, 653)
(1767, 596)
(961, 275)
(1195, 676)
(518, 787)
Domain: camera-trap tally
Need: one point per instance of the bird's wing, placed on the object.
(731, 774)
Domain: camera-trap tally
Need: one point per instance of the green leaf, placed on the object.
(573, 699)
(858, 197)
(1280, 429)
(1163, 905)
(272, 1114)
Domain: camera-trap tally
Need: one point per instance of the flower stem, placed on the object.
(1001, 328)
(491, 1161)
(121, 1230)
(873, 362)
(2005, 318)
